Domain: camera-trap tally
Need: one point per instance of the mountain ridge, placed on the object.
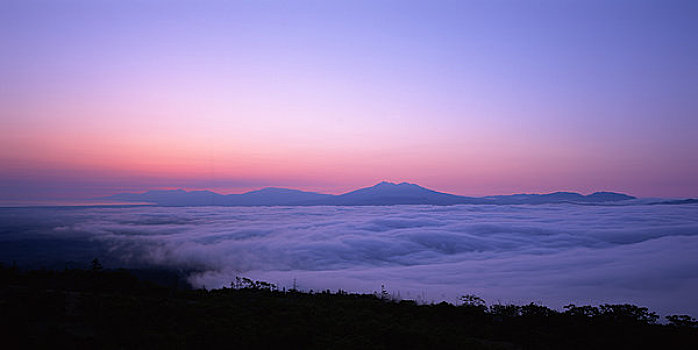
(383, 193)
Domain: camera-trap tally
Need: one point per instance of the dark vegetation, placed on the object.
(98, 308)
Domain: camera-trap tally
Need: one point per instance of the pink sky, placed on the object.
(467, 99)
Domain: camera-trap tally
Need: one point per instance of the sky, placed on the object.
(467, 97)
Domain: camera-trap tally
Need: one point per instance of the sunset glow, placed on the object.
(473, 98)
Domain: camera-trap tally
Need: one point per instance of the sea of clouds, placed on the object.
(550, 254)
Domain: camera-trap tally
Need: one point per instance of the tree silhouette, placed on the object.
(682, 321)
(472, 300)
(95, 265)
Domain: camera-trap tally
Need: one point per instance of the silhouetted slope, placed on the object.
(384, 193)
(99, 309)
(560, 197)
(387, 193)
(677, 202)
(274, 196)
(265, 197)
(172, 197)
(608, 197)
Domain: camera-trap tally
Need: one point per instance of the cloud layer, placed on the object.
(554, 254)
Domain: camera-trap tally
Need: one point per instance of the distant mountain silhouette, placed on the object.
(388, 193)
(557, 197)
(275, 196)
(384, 193)
(677, 202)
(608, 197)
(270, 196)
(172, 197)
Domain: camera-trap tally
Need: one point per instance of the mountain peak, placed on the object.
(382, 193)
(394, 184)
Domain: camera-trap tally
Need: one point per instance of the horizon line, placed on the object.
(189, 190)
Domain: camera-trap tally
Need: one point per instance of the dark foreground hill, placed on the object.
(114, 309)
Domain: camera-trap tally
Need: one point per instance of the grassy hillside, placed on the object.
(116, 309)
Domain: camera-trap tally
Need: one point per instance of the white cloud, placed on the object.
(553, 254)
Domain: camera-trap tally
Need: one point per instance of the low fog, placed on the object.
(549, 254)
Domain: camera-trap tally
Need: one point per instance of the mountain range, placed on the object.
(384, 193)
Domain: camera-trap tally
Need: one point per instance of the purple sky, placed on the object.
(468, 97)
